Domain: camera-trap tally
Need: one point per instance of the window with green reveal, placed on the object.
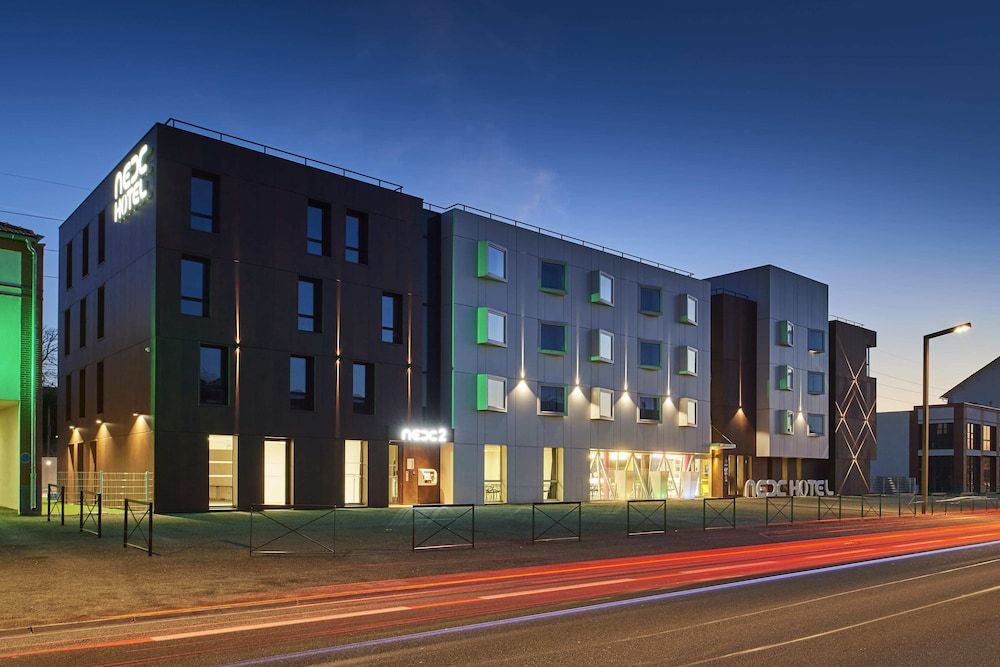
(491, 260)
(785, 420)
(553, 338)
(786, 378)
(491, 327)
(491, 393)
(552, 277)
(786, 333)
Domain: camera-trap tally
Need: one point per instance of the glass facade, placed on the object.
(626, 475)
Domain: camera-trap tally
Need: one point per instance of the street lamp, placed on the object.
(926, 463)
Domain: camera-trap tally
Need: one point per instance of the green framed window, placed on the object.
(491, 261)
(650, 300)
(491, 393)
(552, 276)
(785, 422)
(786, 333)
(602, 346)
(689, 309)
(553, 337)
(552, 400)
(491, 327)
(786, 378)
(602, 288)
(687, 412)
(687, 362)
(650, 354)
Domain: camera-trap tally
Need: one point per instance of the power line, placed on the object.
(31, 215)
(42, 180)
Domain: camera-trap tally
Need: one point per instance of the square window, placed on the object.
(649, 354)
(602, 288)
(318, 229)
(650, 300)
(602, 402)
(817, 382)
(492, 261)
(310, 305)
(356, 237)
(552, 338)
(194, 286)
(649, 408)
(786, 378)
(785, 420)
(687, 413)
(491, 393)
(392, 318)
(300, 382)
(815, 424)
(817, 341)
(491, 327)
(786, 333)
(204, 203)
(602, 346)
(552, 277)
(552, 399)
(363, 388)
(689, 309)
(688, 361)
(213, 376)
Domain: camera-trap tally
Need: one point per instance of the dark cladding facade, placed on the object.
(227, 320)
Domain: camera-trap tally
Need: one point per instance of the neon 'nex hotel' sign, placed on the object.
(131, 184)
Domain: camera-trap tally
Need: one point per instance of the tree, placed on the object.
(50, 357)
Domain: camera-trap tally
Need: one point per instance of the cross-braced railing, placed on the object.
(718, 513)
(554, 522)
(90, 513)
(443, 527)
(829, 508)
(871, 506)
(292, 529)
(140, 535)
(780, 509)
(55, 495)
(646, 517)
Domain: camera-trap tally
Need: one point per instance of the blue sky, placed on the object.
(854, 142)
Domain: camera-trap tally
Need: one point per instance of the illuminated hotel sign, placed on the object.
(131, 184)
(439, 434)
(780, 488)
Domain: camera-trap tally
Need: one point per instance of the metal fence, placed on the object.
(55, 495)
(140, 536)
(114, 487)
(292, 529)
(443, 527)
(556, 522)
(645, 517)
(90, 512)
(779, 510)
(718, 513)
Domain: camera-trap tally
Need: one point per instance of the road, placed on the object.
(832, 595)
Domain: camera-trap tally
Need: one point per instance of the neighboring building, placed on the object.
(575, 374)
(981, 388)
(853, 421)
(239, 328)
(21, 258)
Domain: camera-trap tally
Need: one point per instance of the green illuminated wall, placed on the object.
(10, 325)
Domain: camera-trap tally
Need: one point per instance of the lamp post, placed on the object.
(926, 463)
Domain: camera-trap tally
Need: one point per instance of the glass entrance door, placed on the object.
(394, 474)
(276, 472)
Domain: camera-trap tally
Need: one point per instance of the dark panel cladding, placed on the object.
(852, 408)
(734, 372)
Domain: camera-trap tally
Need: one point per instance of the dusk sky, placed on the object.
(857, 143)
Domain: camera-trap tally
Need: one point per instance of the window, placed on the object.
(972, 433)
(552, 473)
(687, 413)
(221, 471)
(69, 396)
(69, 265)
(100, 312)
(300, 382)
(649, 408)
(689, 309)
(786, 378)
(552, 338)
(392, 309)
(989, 435)
(82, 333)
(650, 300)
(491, 393)
(310, 305)
(82, 393)
(356, 238)
(194, 287)
(815, 424)
(817, 382)
(552, 277)
(494, 473)
(491, 261)
(67, 323)
(355, 472)
(649, 354)
(817, 341)
(552, 399)
(363, 388)
(100, 387)
(602, 346)
(85, 251)
(785, 420)
(204, 203)
(786, 333)
(602, 288)
(688, 361)
(213, 376)
(491, 327)
(317, 230)
(101, 238)
(602, 404)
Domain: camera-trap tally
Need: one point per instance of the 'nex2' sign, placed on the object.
(132, 184)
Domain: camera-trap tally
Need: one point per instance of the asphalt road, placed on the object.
(831, 596)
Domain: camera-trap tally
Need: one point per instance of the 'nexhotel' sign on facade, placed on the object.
(778, 488)
(131, 184)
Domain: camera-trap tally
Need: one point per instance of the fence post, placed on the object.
(151, 525)
(791, 510)
(81, 511)
(145, 476)
(734, 511)
(473, 526)
(62, 505)
(100, 482)
(840, 508)
(99, 499)
(704, 519)
(125, 523)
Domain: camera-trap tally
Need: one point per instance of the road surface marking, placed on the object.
(274, 624)
(553, 589)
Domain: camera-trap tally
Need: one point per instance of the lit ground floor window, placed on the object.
(355, 472)
(495, 473)
(277, 471)
(221, 470)
(552, 473)
(625, 475)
